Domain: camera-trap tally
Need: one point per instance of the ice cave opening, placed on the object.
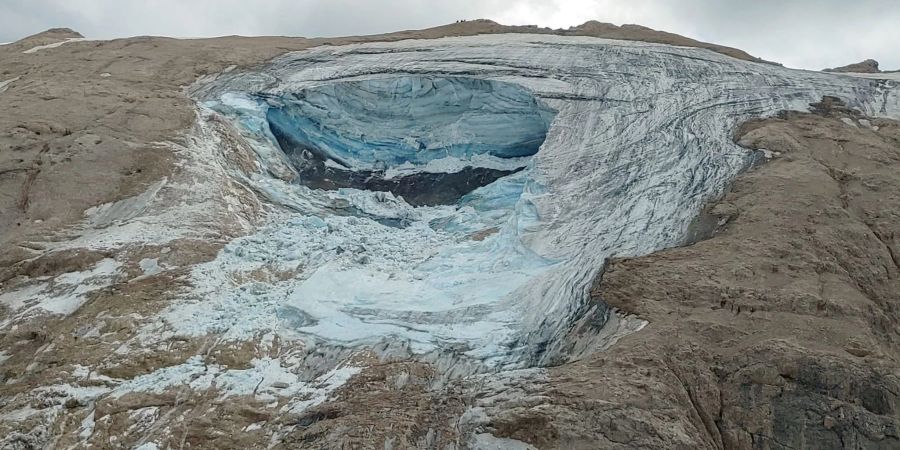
(429, 139)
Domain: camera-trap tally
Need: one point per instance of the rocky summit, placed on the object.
(867, 66)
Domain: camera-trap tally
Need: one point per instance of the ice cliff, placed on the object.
(454, 199)
(402, 134)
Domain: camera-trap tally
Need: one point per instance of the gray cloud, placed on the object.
(808, 34)
(801, 33)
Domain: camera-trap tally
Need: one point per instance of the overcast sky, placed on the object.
(810, 34)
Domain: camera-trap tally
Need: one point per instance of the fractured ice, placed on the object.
(412, 119)
(430, 140)
(596, 148)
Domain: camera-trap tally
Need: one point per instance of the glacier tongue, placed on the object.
(640, 140)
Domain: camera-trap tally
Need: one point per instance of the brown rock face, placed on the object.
(47, 37)
(867, 66)
(780, 331)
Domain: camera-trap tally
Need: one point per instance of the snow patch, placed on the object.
(53, 45)
(253, 426)
(18, 415)
(268, 379)
(487, 441)
(452, 164)
(150, 266)
(123, 210)
(87, 427)
(63, 294)
(4, 85)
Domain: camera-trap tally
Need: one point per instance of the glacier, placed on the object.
(412, 119)
(596, 149)
(430, 140)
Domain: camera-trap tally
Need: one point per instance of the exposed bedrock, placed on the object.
(417, 189)
(867, 66)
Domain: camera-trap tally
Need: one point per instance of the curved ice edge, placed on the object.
(410, 119)
(630, 137)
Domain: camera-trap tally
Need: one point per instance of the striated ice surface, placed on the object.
(640, 139)
(412, 120)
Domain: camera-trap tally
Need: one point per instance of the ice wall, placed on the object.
(499, 279)
(412, 120)
(430, 140)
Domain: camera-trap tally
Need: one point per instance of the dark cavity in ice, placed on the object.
(406, 134)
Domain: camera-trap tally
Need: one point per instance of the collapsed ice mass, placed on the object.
(455, 199)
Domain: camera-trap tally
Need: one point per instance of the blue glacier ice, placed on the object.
(388, 122)
(428, 139)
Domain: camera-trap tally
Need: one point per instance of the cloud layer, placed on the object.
(809, 34)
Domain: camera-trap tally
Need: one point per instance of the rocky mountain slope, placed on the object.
(650, 247)
(780, 330)
(867, 66)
